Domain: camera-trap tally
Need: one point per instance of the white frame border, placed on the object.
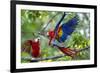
(20, 65)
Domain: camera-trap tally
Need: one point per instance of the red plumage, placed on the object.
(68, 51)
(51, 35)
(35, 48)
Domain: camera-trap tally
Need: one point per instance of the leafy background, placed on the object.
(33, 21)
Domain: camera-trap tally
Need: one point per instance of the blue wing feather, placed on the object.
(57, 25)
(72, 22)
(67, 29)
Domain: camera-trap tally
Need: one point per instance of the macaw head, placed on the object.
(34, 40)
(50, 33)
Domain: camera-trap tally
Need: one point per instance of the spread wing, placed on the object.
(66, 29)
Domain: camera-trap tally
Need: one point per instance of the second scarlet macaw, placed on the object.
(35, 44)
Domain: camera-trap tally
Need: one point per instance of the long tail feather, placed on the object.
(67, 51)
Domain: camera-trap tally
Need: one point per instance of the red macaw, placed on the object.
(35, 47)
(61, 33)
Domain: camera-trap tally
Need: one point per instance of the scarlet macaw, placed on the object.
(35, 52)
(61, 33)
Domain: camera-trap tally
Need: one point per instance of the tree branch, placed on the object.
(52, 57)
(41, 59)
(80, 50)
